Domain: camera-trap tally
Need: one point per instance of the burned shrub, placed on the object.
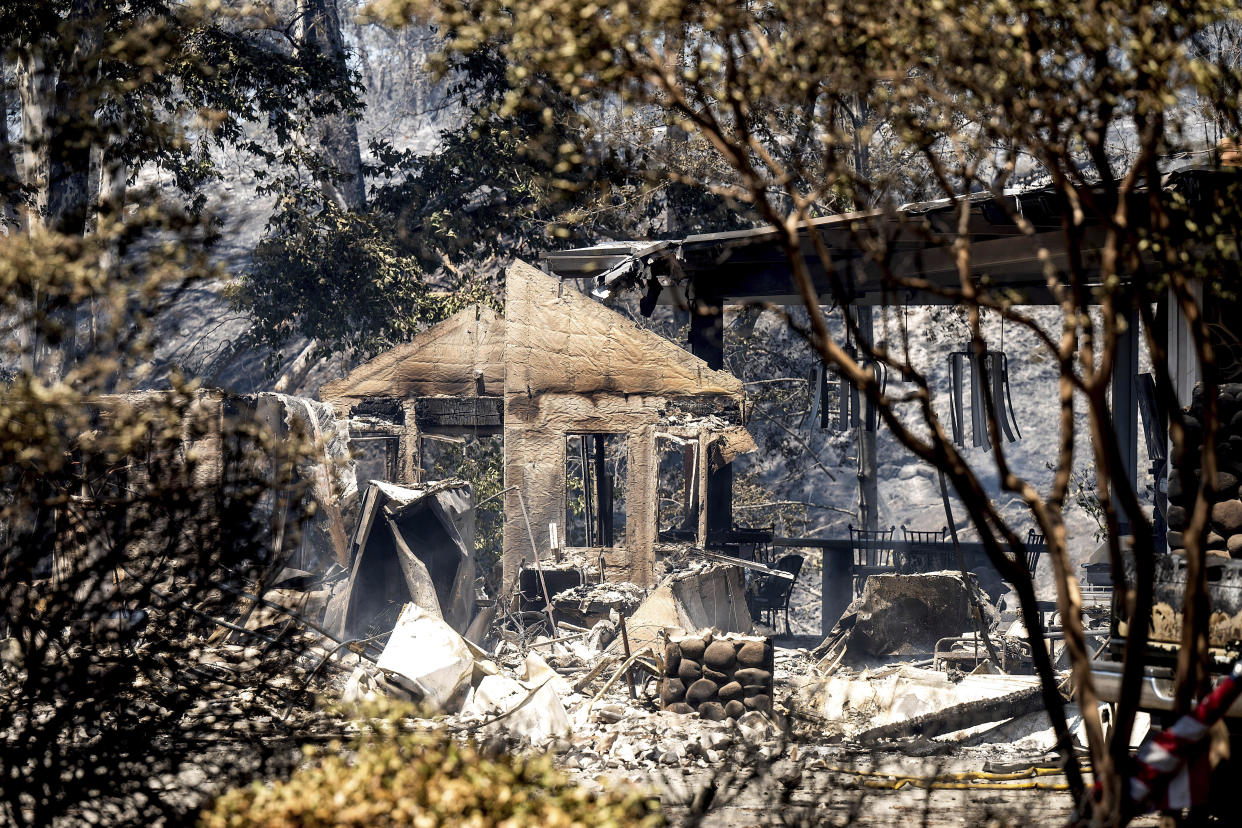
(130, 526)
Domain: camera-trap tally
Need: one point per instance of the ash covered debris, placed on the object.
(587, 604)
(901, 616)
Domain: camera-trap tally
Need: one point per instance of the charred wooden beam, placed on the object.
(957, 717)
(484, 413)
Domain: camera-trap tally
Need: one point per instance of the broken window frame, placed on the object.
(693, 494)
(430, 445)
(391, 444)
(600, 527)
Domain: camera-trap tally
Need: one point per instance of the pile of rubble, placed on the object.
(688, 703)
(587, 603)
(725, 684)
(621, 681)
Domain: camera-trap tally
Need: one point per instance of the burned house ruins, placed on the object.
(589, 406)
(636, 628)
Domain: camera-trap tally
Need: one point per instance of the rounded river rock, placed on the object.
(672, 659)
(701, 691)
(753, 654)
(719, 655)
(1227, 515)
(674, 691)
(693, 648)
(689, 670)
(759, 702)
(753, 675)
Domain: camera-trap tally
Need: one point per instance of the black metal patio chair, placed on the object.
(873, 553)
(773, 593)
(925, 536)
(1035, 546)
(928, 550)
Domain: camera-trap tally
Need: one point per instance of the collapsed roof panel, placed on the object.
(410, 545)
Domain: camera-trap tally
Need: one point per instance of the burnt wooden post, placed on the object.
(409, 447)
(707, 343)
(588, 494)
(868, 484)
(1125, 405)
(603, 496)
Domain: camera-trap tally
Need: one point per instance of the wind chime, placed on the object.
(989, 384)
(850, 410)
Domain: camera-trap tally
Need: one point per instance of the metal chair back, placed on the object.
(872, 547)
(1035, 545)
(774, 594)
(929, 551)
(873, 553)
(923, 536)
(778, 589)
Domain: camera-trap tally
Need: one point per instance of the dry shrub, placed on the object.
(394, 777)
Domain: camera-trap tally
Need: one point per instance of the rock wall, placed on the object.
(1224, 537)
(718, 676)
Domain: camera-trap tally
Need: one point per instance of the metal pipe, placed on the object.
(547, 597)
(625, 644)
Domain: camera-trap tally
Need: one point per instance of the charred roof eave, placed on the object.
(869, 248)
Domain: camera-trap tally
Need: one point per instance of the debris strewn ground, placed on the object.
(865, 740)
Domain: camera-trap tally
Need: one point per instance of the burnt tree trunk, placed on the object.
(10, 181)
(59, 100)
(34, 89)
(342, 182)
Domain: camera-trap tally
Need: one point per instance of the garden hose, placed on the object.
(1025, 779)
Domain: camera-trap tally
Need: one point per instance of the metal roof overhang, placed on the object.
(867, 249)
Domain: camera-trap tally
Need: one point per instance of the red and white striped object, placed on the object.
(1171, 769)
